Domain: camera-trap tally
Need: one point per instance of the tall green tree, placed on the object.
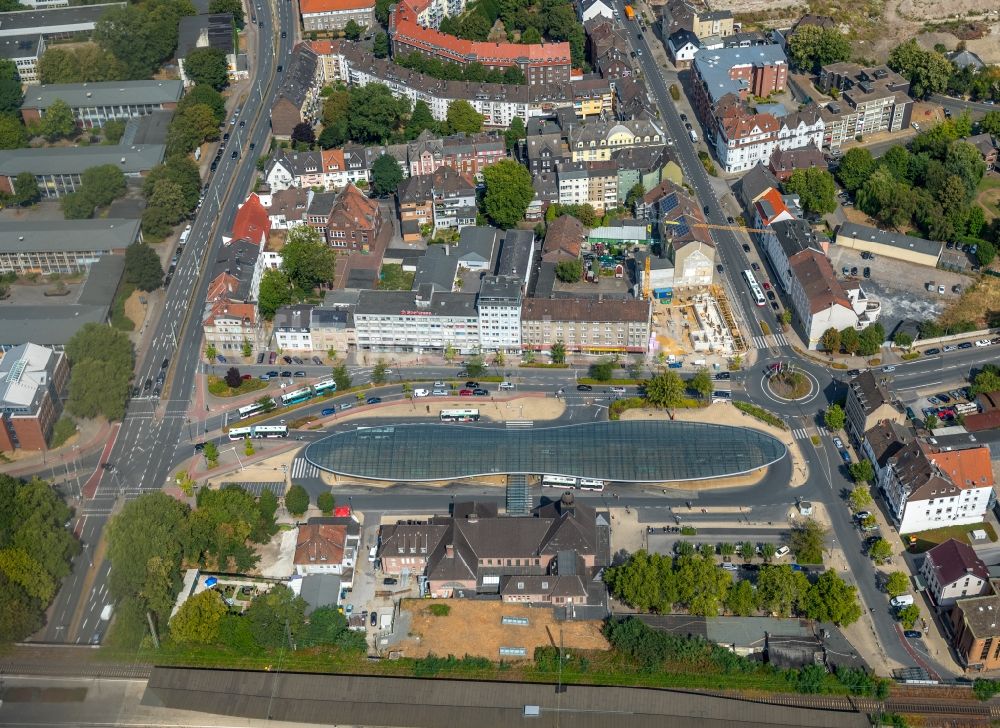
(276, 617)
(420, 120)
(140, 36)
(375, 113)
(352, 31)
(808, 539)
(328, 626)
(509, 191)
(834, 417)
(101, 361)
(103, 184)
(228, 6)
(463, 118)
(386, 175)
(927, 71)
(855, 167)
(76, 206)
(380, 45)
(275, 292)
(702, 383)
(58, 122)
(515, 133)
(143, 267)
(830, 341)
(208, 66)
(558, 352)
(812, 47)
(26, 190)
(666, 390)
(307, 260)
(10, 96)
(781, 589)
(202, 94)
(831, 599)
(198, 620)
(297, 500)
(815, 188)
(12, 133)
(742, 599)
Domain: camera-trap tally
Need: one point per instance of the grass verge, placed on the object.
(761, 414)
(118, 318)
(929, 539)
(217, 387)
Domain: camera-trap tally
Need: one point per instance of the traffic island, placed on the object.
(790, 385)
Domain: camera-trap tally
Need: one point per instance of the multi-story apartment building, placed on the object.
(304, 328)
(355, 221)
(62, 246)
(297, 99)
(58, 170)
(499, 307)
(464, 153)
(446, 199)
(783, 240)
(758, 71)
(593, 96)
(588, 183)
(595, 140)
(423, 321)
(590, 326)
(24, 51)
(975, 629)
(94, 104)
(542, 63)
(869, 403)
(872, 100)
(321, 15)
(230, 323)
(927, 488)
(32, 381)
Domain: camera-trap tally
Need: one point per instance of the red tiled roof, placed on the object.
(952, 560)
(406, 29)
(326, 6)
(229, 309)
(773, 196)
(325, 47)
(333, 160)
(967, 468)
(320, 543)
(353, 207)
(222, 286)
(983, 421)
(252, 222)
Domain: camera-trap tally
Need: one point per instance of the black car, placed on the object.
(136, 391)
(854, 270)
(720, 268)
(284, 34)
(755, 266)
(965, 345)
(317, 361)
(390, 581)
(912, 634)
(260, 358)
(373, 400)
(854, 372)
(286, 374)
(253, 145)
(260, 24)
(867, 272)
(225, 137)
(770, 295)
(214, 166)
(280, 69)
(932, 352)
(481, 392)
(165, 363)
(273, 374)
(287, 359)
(199, 446)
(297, 360)
(243, 123)
(775, 306)
(374, 619)
(746, 248)
(300, 374)
(705, 209)
(722, 375)
(235, 154)
(147, 384)
(688, 126)
(684, 117)
(472, 385)
(584, 388)
(730, 220)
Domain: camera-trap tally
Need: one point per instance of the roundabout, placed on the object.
(787, 386)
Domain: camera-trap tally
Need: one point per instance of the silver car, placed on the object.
(440, 392)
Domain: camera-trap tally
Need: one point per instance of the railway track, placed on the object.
(107, 671)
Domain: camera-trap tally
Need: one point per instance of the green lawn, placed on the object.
(986, 194)
(394, 278)
(218, 387)
(928, 539)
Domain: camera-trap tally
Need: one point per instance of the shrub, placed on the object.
(440, 610)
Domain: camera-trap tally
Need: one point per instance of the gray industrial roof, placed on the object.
(383, 701)
(75, 19)
(54, 325)
(68, 235)
(103, 93)
(216, 27)
(638, 452)
(20, 46)
(394, 303)
(76, 160)
(887, 237)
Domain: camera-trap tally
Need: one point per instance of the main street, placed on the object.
(141, 455)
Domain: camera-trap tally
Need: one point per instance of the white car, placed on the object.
(440, 385)
(729, 566)
(951, 347)
(888, 369)
(983, 342)
(421, 392)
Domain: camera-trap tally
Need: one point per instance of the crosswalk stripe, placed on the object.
(800, 434)
(302, 468)
(780, 340)
(520, 424)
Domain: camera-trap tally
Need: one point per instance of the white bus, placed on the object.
(557, 481)
(591, 484)
(251, 409)
(239, 433)
(755, 293)
(460, 415)
(327, 385)
(270, 431)
(299, 395)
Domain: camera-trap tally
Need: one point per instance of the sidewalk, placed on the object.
(93, 434)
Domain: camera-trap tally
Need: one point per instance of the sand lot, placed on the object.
(517, 408)
(454, 634)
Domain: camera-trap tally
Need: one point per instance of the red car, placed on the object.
(247, 377)
(271, 357)
(465, 393)
(767, 286)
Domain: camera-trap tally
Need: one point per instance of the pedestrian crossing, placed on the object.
(302, 468)
(520, 424)
(770, 341)
(799, 433)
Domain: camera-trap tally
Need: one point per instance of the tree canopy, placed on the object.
(143, 35)
(666, 390)
(36, 549)
(815, 188)
(386, 175)
(509, 191)
(142, 267)
(207, 66)
(463, 118)
(811, 47)
(275, 292)
(101, 361)
(307, 260)
(927, 70)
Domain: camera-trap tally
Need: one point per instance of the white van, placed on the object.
(106, 612)
(782, 552)
(506, 385)
(903, 600)
(372, 553)
(421, 392)
(618, 390)
(694, 135)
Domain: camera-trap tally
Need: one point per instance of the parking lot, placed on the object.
(900, 286)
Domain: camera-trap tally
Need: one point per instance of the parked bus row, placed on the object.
(294, 397)
(565, 482)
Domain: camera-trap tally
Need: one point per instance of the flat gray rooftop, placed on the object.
(104, 93)
(66, 235)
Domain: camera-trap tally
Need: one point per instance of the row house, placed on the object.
(588, 183)
(297, 100)
(286, 208)
(461, 152)
(869, 403)
(329, 169)
(608, 49)
(425, 321)
(325, 15)
(686, 254)
(445, 199)
(593, 96)
(305, 328)
(682, 14)
(744, 138)
(230, 324)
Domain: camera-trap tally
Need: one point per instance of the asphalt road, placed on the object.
(142, 452)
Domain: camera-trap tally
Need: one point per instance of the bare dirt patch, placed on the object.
(518, 408)
(135, 309)
(979, 302)
(451, 635)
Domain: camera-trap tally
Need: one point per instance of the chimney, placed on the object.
(473, 517)
(449, 551)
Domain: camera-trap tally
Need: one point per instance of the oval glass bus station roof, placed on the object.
(653, 451)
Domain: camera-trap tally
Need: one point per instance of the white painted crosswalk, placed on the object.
(520, 424)
(779, 339)
(770, 341)
(799, 433)
(760, 342)
(302, 468)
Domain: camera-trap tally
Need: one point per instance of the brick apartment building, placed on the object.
(585, 325)
(542, 63)
(32, 379)
(355, 221)
(297, 98)
(336, 14)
